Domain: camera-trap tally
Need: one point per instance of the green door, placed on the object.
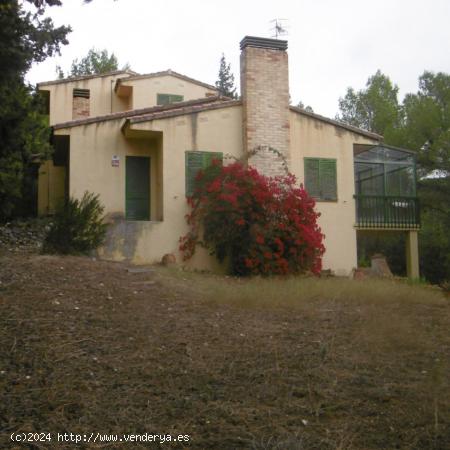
(137, 191)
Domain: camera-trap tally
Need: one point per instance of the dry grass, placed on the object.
(256, 364)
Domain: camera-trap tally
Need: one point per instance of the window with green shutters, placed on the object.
(321, 179)
(195, 161)
(166, 99)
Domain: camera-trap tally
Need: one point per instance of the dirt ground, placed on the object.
(88, 346)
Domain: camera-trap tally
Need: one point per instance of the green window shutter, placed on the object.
(328, 181)
(166, 99)
(163, 99)
(208, 158)
(320, 178)
(195, 161)
(312, 177)
(176, 98)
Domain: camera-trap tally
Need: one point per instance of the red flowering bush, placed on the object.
(263, 225)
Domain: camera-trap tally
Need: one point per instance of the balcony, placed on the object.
(387, 212)
(385, 187)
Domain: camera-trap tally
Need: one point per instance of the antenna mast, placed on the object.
(279, 28)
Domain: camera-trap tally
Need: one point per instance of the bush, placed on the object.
(261, 225)
(78, 227)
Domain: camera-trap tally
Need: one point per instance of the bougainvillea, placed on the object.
(260, 225)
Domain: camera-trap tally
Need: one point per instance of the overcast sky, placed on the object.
(332, 44)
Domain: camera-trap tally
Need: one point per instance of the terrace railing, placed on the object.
(387, 212)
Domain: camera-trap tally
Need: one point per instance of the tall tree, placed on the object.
(95, 62)
(25, 37)
(374, 108)
(427, 121)
(427, 130)
(225, 82)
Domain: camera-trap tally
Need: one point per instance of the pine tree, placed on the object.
(225, 83)
(25, 38)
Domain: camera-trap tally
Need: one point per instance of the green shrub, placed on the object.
(77, 227)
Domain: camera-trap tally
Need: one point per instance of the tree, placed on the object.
(225, 83)
(427, 121)
(374, 108)
(95, 62)
(427, 130)
(301, 105)
(25, 37)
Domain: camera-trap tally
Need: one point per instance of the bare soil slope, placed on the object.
(88, 346)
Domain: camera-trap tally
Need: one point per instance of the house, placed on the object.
(138, 140)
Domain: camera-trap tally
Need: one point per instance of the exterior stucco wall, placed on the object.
(145, 90)
(92, 147)
(313, 138)
(101, 94)
(103, 100)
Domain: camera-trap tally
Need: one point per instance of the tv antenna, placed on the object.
(279, 28)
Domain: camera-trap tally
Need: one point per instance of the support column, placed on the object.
(412, 254)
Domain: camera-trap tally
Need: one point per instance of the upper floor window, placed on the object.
(80, 104)
(83, 93)
(321, 179)
(166, 99)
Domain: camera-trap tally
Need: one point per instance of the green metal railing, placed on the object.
(387, 212)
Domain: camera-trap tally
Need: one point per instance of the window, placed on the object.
(83, 93)
(166, 99)
(320, 178)
(80, 104)
(196, 161)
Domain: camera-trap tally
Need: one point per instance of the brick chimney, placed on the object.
(265, 98)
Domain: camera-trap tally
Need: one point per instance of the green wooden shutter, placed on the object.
(166, 99)
(162, 99)
(176, 98)
(312, 177)
(328, 181)
(195, 161)
(208, 158)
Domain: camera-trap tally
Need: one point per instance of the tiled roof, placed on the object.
(165, 73)
(184, 110)
(162, 110)
(86, 77)
(336, 123)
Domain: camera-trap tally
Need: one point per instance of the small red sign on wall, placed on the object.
(115, 161)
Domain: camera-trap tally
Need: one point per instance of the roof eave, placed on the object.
(336, 123)
(140, 112)
(169, 72)
(86, 77)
